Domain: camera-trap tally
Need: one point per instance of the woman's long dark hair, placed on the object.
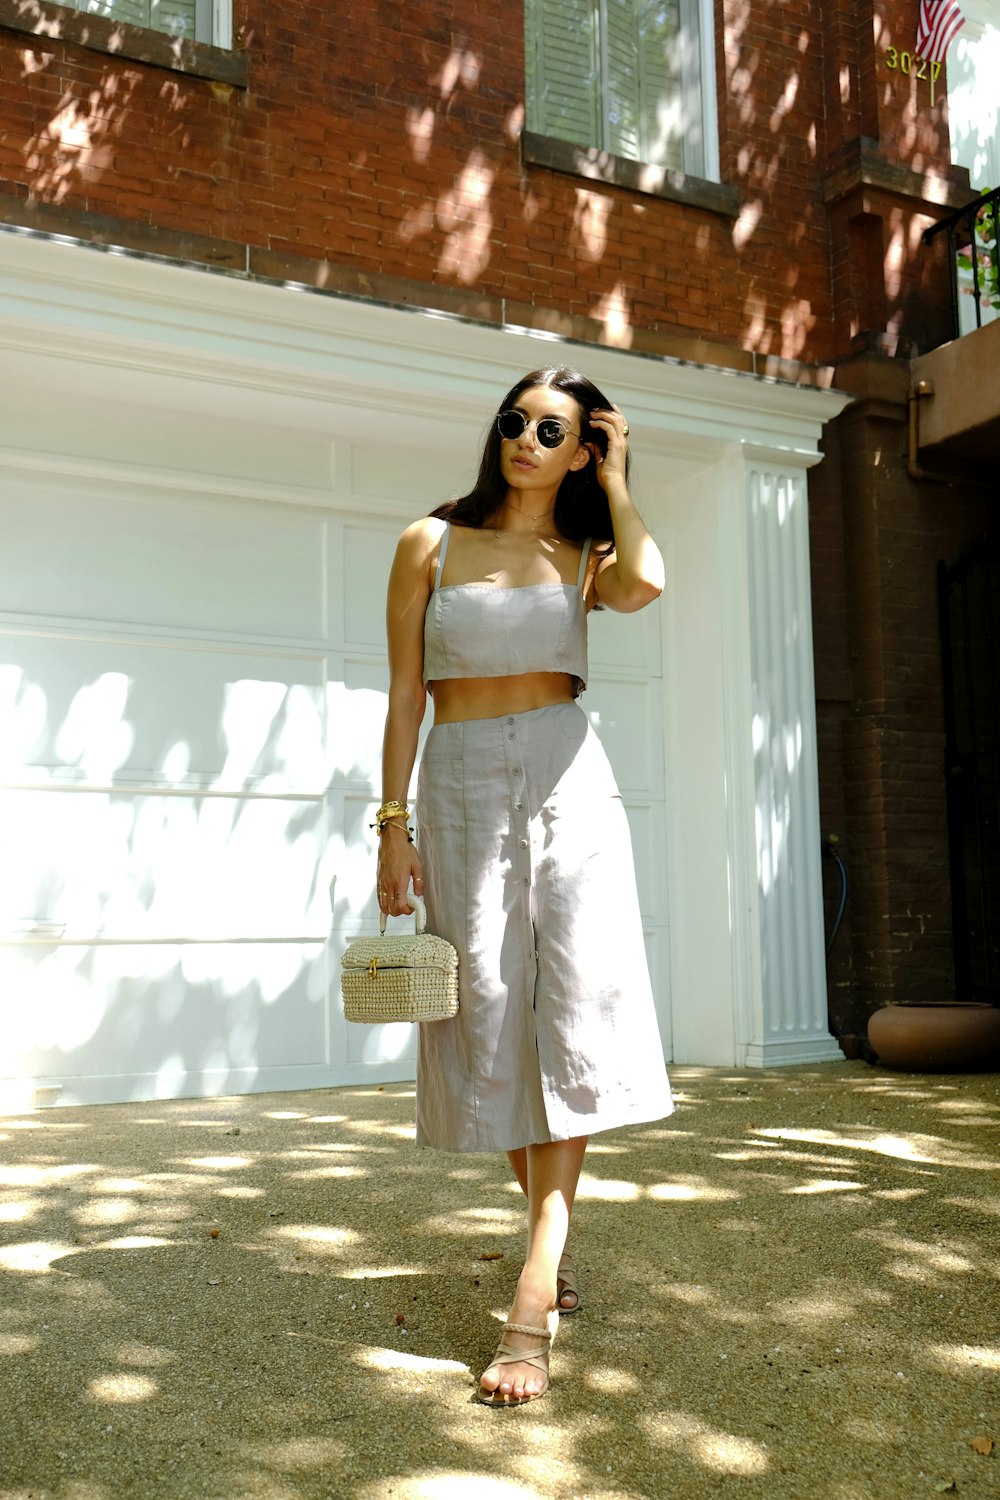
(581, 508)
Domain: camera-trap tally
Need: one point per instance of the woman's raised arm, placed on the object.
(632, 576)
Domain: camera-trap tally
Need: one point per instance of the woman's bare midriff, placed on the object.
(458, 698)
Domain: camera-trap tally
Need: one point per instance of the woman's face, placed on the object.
(525, 463)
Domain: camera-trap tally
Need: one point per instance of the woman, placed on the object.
(523, 842)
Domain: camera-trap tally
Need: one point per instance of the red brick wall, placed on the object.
(877, 536)
(385, 138)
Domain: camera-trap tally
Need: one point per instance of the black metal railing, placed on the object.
(972, 248)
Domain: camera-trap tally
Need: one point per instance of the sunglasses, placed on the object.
(549, 430)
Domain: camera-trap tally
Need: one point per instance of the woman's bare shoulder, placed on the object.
(420, 538)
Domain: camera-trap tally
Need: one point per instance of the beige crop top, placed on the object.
(482, 630)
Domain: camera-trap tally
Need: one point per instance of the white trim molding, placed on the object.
(789, 1020)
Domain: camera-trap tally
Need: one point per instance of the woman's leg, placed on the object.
(553, 1171)
(569, 1298)
(519, 1166)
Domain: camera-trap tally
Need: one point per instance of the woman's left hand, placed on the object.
(613, 423)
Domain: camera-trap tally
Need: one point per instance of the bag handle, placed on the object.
(419, 914)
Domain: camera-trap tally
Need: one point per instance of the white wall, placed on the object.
(973, 67)
(201, 480)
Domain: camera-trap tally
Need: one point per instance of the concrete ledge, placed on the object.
(963, 414)
(865, 170)
(635, 176)
(58, 23)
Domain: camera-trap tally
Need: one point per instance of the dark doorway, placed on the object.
(969, 598)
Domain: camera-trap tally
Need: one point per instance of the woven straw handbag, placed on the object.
(411, 978)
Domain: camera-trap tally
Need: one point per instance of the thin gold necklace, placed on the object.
(498, 531)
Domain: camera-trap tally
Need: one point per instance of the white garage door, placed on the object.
(192, 693)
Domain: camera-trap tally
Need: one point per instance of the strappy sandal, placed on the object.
(507, 1355)
(566, 1284)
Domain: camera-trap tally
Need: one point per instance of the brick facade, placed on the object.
(376, 149)
(384, 140)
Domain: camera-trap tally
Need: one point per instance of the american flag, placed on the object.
(940, 21)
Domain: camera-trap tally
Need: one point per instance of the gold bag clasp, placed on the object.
(373, 969)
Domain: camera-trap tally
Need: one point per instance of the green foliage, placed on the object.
(987, 255)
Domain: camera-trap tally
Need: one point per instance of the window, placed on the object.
(623, 76)
(193, 20)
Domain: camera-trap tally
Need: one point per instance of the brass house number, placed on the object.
(906, 62)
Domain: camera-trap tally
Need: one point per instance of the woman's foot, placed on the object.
(519, 1371)
(567, 1289)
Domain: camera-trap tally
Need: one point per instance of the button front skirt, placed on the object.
(528, 870)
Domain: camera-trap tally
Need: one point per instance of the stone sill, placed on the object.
(635, 176)
(864, 170)
(58, 23)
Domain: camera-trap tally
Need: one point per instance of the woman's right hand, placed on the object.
(398, 866)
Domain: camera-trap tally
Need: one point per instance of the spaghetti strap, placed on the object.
(585, 554)
(442, 552)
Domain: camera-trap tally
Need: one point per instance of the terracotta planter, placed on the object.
(929, 1038)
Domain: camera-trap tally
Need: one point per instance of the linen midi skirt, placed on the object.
(528, 870)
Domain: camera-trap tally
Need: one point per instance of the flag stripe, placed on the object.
(940, 22)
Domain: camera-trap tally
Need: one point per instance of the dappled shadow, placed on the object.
(414, 172)
(169, 922)
(787, 1284)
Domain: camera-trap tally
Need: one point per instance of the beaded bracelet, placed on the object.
(407, 830)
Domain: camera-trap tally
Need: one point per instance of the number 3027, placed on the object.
(905, 62)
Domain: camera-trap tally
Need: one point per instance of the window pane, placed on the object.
(622, 63)
(561, 70)
(175, 17)
(135, 12)
(661, 113)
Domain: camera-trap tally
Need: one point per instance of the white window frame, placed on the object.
(699, 98)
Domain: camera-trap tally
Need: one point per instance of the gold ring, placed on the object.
(625, 433)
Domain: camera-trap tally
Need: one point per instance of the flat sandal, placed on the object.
(507, 1355)
(566, 1282)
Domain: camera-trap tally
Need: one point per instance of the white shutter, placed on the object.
(621, 63)
(661, 114)
(134, 12)
(561, 70)
(175, 17)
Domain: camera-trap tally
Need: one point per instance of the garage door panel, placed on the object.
(370, 1045)
(123, 865)
(626, 715)
(646, 824)
(101, 710)
(624, 642)
(357, 697)
(658, 958)
(367, 560)
(168, 1019)
(179, 565)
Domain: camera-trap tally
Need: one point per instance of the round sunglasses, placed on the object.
(550, 431)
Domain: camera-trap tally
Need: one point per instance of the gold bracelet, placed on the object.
(391, 809)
